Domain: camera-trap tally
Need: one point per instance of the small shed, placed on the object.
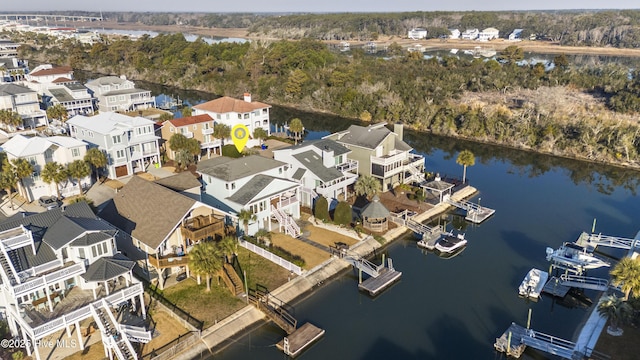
(375, 216)
(438, 187)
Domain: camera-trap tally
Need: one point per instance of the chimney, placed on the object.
(247, 97)
(398, 129)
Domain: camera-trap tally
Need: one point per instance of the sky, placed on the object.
(252, 6)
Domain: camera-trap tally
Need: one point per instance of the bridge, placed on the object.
(405, 218)
(48, 17)
(475, 212)
(595, 240)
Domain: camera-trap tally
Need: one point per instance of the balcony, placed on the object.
(350, 165)
(187, 134)
(207, 131)
(202, 227)
(211, 144)
(160, 262)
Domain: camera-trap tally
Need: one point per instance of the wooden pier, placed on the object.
(405, 218)
(475, 212)
(554, 287)
(516, 338)
(374, 285)
(295, 343)
(381, 277)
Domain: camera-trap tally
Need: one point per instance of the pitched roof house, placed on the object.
(61, 267)
(199, 127)
(119, 94)
(162, 225)
(24, 101)
(382, 153)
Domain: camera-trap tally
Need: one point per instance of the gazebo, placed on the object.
(375, 216)
(438, 187)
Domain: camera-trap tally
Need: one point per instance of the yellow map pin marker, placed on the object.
(240, 136)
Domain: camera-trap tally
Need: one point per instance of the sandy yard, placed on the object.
(312, 255)
(168, 329)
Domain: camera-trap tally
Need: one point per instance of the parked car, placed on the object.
(49, 202)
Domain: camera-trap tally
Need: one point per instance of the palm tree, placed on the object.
(264, 236)
(228, 246)
(54, 173)
(96, 158)
(246, 216)
(626, 275)
(183, 158)
(177, 142)
(617, 310)
(8, 181)
(22, 168)
(465, 158)
(260, 133)
(58, 112)
(78, 170)
(204, 259)
(296, 127)
(193, 147)
(221, 131)
(367, 185)
(186, 111)
(10, 118)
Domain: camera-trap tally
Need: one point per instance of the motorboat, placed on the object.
(533, 283)
(576, 256)
(449, 242)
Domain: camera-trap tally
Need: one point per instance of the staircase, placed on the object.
(111, 333)
(7, 267)
(232, 279)
(416, 175)
(290, 226)
(275, 309)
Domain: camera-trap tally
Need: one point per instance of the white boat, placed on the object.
(453, 51)
(576, 256)
(533, 283)
(449, 242)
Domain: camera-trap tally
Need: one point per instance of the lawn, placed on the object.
(312, 255)
(327, 237)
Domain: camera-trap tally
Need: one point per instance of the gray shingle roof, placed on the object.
(323, 144)
(180, 182)
(249, 191)
(367, 137)
(375, 209)
(147, 211)
(68, 228)
(313, 162)
(299, 173)
(61, 95)
(438, 185)
(13, 89)
(107, 268)
(229, 169)
(91, 239)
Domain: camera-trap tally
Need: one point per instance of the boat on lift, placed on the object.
(533, 283)
(450, 242)
(575, 256)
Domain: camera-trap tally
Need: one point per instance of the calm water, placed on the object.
(455, 308)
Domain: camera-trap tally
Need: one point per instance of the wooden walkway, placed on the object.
(554, 287)
(475, 212)
(516, 338)
(381, 277)
(299, 340)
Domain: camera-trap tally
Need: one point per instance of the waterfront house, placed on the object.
(129, 142)
(470, 34)
(56, 86)
(417, 34)
(8, 49)
(382, 154)
(199, 127)
(184, 183)
(515, 35)
(13, 69)
(229, 111)
(39, 151)
(24, 101)
(488, 34)
(253, 183)
(61, 267)
(160, 226)
(43, 75)
(322, 167)
(115, 93)
(455, 34)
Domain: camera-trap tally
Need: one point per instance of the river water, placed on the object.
(455, 308)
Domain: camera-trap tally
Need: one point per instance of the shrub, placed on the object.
(321, 209)
(342, 213)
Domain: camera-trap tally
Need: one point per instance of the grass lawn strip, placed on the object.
(312, 255)
(328, 237)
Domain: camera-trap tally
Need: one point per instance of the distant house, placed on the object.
(229, 111)
(161, 226)
(24, 101)
(417, 34)
(515, 35)
(39, 151)
(119, 94)
(12, 69)
(129, 142)
(455, 34)
(470, 34)
(199, 127)
(74, 96)
(253, 183)
(488, 34)
(43, 75)
(382, 154)
(322, 167)
(8, 49)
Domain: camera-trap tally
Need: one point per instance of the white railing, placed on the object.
(207, 131)
(338, 183)
(23, 323)
(28, 286)
(187, 134)
(16, 237)
(271, 257)
(350, 165)
(136, 333)
(285, 220)
(389, 159)
(211, 144)
(288, 201)
(46, 267)
(59, 275)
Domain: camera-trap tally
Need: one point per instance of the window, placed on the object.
(228, 116)
(120, 154)
(240, 116)
(171, 129)
(31, 160)
(104, 247)
(81, 253)
(111, 99)
(257, 124)
(218, 116)
(93, 251)
(233, 186)
(246, 116)
(120, 97)
(90, 133)
(264, 111)
(117, 139)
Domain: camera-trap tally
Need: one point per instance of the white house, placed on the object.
(119, 94)
(321, 167)
(130, 143)
(417, 34)
(60, 268)
(8, 49)
(488, 34)
(23, 101)
(515, 35)
(455, 34)
(12, 69)
(44, 75)
(74, 96)
(229, 111)
(42, 150)
(256, 184)
(470, 34)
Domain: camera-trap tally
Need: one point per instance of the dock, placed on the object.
(554, 287)
(475, 213)
(295, 343)
(374, 285)
(406, 218)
